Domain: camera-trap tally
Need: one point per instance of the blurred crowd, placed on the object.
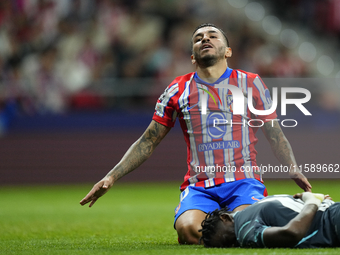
(320, 16)
(55, 53)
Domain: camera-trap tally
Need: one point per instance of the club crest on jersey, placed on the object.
(230, 102)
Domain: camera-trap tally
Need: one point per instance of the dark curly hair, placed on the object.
(210, 226)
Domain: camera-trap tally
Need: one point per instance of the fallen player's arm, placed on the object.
(292, 233)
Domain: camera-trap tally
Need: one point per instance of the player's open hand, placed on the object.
(99, 189)
(301, 181)
(328, 197)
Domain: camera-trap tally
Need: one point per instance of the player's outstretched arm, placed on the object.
(296, 229)
(140, 151)
(284, 153)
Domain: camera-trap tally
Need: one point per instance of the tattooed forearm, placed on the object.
(279, 143)
(150, 139)
(140, 151)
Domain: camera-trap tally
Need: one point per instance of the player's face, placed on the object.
(209, 46)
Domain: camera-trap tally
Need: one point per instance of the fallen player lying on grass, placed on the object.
(304, 220)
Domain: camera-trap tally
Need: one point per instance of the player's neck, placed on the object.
(212, 73)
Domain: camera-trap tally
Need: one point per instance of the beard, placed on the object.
(209, 59)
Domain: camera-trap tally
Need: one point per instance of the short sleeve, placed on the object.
(262, 99)
(165, 110)
(250, 234)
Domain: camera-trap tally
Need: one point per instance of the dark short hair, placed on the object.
(210, 25)
(209, 226)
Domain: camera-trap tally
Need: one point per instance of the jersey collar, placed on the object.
(224, 76)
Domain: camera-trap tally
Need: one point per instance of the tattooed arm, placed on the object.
(284, 153)
(140, 151)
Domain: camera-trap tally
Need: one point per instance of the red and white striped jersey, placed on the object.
(220, 144)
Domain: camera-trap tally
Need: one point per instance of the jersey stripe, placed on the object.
(262, 90)
(162, 104)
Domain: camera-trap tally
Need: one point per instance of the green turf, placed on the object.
(130, 219)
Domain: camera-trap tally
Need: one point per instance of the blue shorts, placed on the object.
(229, 194)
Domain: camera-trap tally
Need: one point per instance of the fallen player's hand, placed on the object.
(311, 198)
(99, 189)
(328, 197)
(298, 195)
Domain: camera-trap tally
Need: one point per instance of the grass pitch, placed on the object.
(132, 218)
